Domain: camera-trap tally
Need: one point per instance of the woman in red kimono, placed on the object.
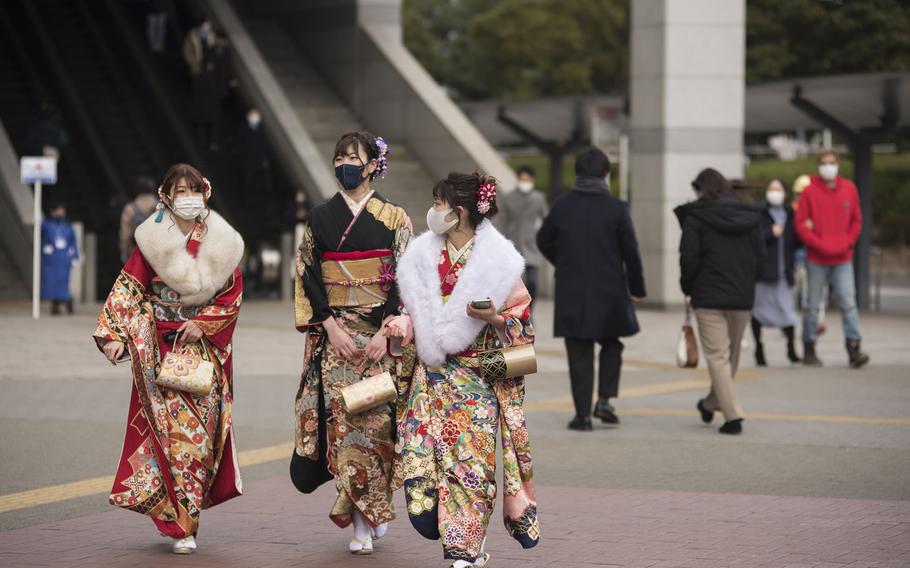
(182, 281)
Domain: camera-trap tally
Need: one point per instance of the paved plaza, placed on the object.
(820, 477)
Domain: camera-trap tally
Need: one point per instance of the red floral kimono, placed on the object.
(178, 452)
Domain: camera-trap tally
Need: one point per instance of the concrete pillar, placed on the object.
(687, 103)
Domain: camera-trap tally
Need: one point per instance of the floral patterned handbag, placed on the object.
(187, 370)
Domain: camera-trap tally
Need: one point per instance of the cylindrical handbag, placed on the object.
(508, 362)
(186, 371)
(686, 345)
(369, 393)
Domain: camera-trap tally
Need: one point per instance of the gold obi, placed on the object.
(362, 282)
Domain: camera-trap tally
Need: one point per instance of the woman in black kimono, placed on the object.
(345, 293)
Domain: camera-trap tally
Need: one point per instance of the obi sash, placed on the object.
(358, 279)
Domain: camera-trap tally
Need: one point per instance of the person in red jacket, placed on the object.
(828, 222)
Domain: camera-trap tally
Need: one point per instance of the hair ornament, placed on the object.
(486, 194)
(160, 205)
(382, 162)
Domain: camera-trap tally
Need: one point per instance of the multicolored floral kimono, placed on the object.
(346, 269)
(178, 454)
(448, 415)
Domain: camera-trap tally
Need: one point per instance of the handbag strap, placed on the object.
(688, 311)
(201, 341)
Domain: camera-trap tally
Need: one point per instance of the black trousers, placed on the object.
(581, 371)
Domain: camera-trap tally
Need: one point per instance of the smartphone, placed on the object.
(481, 304)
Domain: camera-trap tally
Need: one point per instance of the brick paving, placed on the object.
(272, 525)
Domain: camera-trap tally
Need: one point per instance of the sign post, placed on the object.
(37, 170)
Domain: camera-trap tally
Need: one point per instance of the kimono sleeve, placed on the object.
(127, 299)
(311, 303)
(399, 244)
(218, 319)
(517, 314)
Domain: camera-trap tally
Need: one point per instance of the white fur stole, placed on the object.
(440, 329)
(198, 279)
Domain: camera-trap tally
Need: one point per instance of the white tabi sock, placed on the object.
(361, 526)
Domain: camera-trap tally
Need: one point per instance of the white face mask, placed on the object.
(828, 171)
(607, 178)
(253, 119)
(436, 221)
(525, 185)
(775, 197)
(189, 207)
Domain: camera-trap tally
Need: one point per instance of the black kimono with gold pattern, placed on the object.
(352, 279)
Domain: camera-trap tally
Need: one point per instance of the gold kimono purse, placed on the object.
(186, 371)
(369, 393)
(508, 362)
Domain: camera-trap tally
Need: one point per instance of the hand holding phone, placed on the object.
(482, 304)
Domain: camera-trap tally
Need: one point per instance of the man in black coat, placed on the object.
(589, 237)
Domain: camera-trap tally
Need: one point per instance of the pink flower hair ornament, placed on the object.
(486, 194)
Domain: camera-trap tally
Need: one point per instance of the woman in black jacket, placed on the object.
(773, 297)
(721, 257)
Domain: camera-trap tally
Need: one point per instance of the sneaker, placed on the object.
(185, 545)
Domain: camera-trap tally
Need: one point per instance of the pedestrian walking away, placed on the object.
(773, 292)
(589, 237)
(829, 222)
(463, 297)
(175, 306)
(344, 293)
(721, 255)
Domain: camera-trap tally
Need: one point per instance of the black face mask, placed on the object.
(349, 176)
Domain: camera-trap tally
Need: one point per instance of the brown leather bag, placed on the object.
(687, 346)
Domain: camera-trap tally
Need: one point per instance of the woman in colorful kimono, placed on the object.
(345, 293)
(182, 284)
(449, 415)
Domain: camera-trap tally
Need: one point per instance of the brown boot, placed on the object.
(810, 359)
(856, 355)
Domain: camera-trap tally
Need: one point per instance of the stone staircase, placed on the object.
(326, 116)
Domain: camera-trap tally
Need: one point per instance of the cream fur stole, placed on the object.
(198, 279)
(492, 271)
